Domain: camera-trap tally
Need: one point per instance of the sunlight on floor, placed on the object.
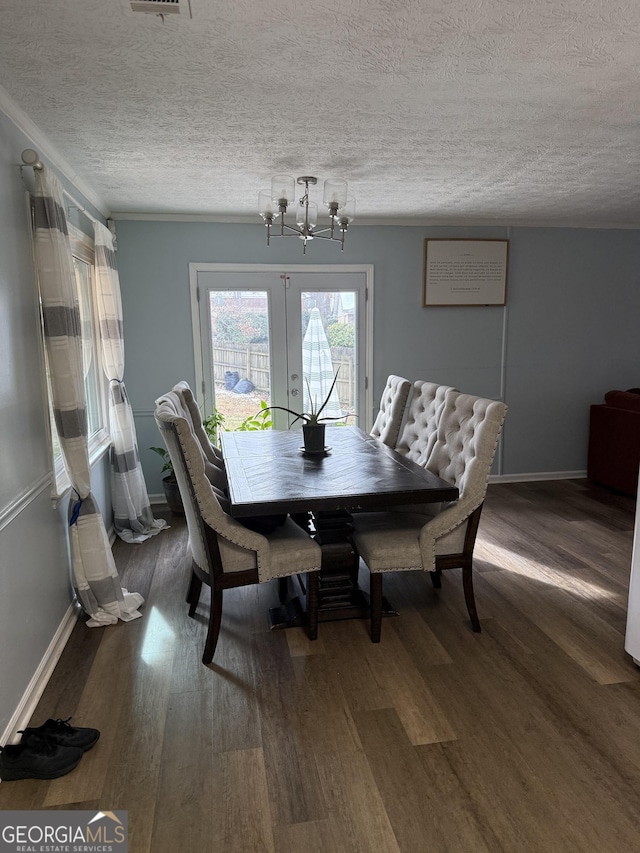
(511, 561)
(158, 636)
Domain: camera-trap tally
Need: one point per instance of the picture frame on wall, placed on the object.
(465, 272)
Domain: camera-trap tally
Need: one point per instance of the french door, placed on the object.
(267, 335)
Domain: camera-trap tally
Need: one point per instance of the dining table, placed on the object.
(269, 474)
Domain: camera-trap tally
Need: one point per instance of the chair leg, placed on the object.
(193, 594)
(436, 579)
(313, 587)
(283, 588)
(215, 617)
(376, 606)
(467, 583)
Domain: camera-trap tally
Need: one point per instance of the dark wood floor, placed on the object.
(523, 738)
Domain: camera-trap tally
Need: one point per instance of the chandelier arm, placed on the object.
(318, 235)
(322, 231)
(293, 229)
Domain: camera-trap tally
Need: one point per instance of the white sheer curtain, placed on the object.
(133, 519)
(96, 579)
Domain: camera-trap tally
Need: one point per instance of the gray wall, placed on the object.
(35, 578)
(567, 335)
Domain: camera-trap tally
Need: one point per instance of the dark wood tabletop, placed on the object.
(268, 474)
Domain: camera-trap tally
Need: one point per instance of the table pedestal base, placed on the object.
(291, 614)
(334, 605)
(340, 597)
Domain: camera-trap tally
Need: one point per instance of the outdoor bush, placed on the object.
(235, 327)
(340, 335)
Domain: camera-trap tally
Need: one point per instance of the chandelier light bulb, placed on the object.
(347, 213)
(335, 193)
(267, 208)
(307, 218)
(283, 190)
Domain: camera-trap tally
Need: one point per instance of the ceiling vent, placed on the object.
(162, 7)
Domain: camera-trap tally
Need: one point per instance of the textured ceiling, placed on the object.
(447, 111)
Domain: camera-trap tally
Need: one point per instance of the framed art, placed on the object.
(465, 272)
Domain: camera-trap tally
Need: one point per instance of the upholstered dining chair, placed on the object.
(419, 431)
(463, 452)
(225, 554)
(393, 402)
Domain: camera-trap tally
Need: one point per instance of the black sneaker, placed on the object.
(40, 759)
(60, 732)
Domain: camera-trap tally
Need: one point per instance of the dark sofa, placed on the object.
(614, 441)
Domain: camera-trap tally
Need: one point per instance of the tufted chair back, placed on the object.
(419, 432)
(468, 432)
(392, 405)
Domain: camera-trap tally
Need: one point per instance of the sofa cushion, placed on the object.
(623, 400)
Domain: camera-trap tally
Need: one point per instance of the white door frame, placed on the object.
(284, 269)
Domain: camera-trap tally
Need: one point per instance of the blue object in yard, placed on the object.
(231, 379)
(244, 386)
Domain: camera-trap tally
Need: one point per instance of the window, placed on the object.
(94, 382)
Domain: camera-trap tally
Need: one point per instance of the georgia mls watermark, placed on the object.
(63, 832)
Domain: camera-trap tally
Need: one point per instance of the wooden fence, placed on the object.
(251, 361)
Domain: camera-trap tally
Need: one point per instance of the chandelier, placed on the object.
(273, 203)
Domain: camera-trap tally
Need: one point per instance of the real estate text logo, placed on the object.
(63, 832)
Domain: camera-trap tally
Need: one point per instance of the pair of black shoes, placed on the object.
(46, 752)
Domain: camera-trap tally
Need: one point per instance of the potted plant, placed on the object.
(313, 426)
(169, 483)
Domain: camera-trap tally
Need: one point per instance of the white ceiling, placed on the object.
(441, 111)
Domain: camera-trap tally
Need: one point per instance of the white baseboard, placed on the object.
(531, 478)
(36, 686)
(155, 500)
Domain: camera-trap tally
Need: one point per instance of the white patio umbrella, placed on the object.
(317, 369)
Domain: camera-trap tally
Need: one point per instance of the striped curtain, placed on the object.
(95, 576)
(133, 519)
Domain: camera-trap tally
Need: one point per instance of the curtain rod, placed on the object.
(32, 158)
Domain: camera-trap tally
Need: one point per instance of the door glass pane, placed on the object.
(241, 363)
(329, 345)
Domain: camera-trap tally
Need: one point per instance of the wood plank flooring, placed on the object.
(525, 737)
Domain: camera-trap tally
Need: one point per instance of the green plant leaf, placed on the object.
(312, 417)
(326, 399)
(164, 455)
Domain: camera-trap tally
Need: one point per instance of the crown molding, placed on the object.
(372, 222)
(48, 152)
